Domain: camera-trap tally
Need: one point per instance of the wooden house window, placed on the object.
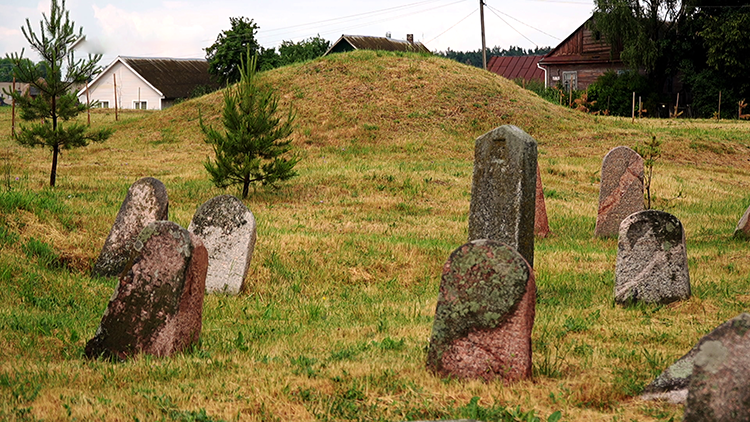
(570, 81)
(103, 104)
(140, 105)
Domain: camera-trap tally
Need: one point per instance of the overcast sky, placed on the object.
(184, 28)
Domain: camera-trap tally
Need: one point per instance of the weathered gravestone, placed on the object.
(673, 383)
(228, 230)
(145, 202)
(541, 223)
(743, 226)
(484, 314)
(157, 307)
(620, 191)
(651, 259)
(503, 191)
(719, 388)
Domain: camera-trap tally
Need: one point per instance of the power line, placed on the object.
(454, 25)
(522, 23)
(511, 27)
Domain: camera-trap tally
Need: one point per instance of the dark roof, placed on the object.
(513, 67)
(578, 48)
(175, 78)
(363, 42)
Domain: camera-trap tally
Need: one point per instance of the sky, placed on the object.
(184, 28)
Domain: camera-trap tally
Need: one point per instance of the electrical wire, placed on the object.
(495, 11)
(456, 24)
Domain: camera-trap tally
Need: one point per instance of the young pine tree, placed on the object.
(55, 103)
(252, 146)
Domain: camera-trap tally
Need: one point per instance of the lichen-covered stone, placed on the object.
(484, 314)
(743, 226)
(503, 190)
(541, 223)
(719, 387)
(228, 230)
(620, 191)
(157, 306)
(145, 202)
(652, 262)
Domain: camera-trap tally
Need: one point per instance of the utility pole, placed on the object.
(484, 44)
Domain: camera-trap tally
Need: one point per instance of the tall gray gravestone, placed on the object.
(652, 262)
(503, 190)
(145, 202)
(228, 230)
(157, 306)
(620, 191)
(484, 315)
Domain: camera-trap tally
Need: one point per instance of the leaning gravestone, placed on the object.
(484, 315)
(673, 383)
(541, 223)
(503, 191)
(145, 202)
(743, 226)
(228, 230)
(157, 307)
(620, 191)
(651, 259)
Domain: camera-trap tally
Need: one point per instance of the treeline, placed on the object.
(6, 69)
(474, 58)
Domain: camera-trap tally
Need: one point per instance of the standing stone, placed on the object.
(673, 383)
(228, 230)
(541, 224)
(651, 259)
(720, 385)
(484, 315)
(157, 307)
(621, 190)
(743, 226)
(503, 191)
(145, 202)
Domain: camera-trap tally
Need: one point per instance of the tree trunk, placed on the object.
(245, 188)
(53, 173)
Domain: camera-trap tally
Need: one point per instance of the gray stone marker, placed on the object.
(620, 191)
(503, 190)
(484, 314)
(145, 202)
(720, 361)
(720, 385)
(157, 307)
(228, 230)
(743, 226)
(652, 262)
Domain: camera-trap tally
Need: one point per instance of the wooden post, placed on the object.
(677, 105)
(718, 116)
(88, 103)
(633, 107)
(114, 79)
(640, 107)
(13, 111)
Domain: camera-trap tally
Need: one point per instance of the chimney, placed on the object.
(410, 38)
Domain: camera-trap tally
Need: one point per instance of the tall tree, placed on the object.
(225, 54)
(253, 145)
(308, 49)
(59, 73)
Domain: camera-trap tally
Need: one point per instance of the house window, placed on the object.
(140, 105)
(103, 104)
(570, 81)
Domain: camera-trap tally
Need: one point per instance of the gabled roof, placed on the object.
(513, 67)
(172, 78)
(581, 47)
(363, 42)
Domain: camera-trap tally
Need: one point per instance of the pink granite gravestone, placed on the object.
(157, 307)
(145, 202)
(620, 191)
(484, 315)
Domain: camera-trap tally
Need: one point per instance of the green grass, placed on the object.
(338, 309)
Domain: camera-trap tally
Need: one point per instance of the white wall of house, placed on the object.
(132, 91)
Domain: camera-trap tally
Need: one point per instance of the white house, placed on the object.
(146, 83)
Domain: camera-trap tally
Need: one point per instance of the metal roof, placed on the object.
(364, 42)
(513, 67)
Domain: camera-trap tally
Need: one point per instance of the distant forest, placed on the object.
(474, 58)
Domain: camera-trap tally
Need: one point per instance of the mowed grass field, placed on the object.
(335, 320)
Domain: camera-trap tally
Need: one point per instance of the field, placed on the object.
(335, 320)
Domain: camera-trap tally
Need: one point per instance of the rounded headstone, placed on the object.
(145, 202)
(503, 189)
(228, 230)
(743, 226)
(652, 262)
(484, 314)
(157, 306)
(620, 191)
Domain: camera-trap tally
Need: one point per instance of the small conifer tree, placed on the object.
(650, 151)
(252, 147)
(55, 103)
